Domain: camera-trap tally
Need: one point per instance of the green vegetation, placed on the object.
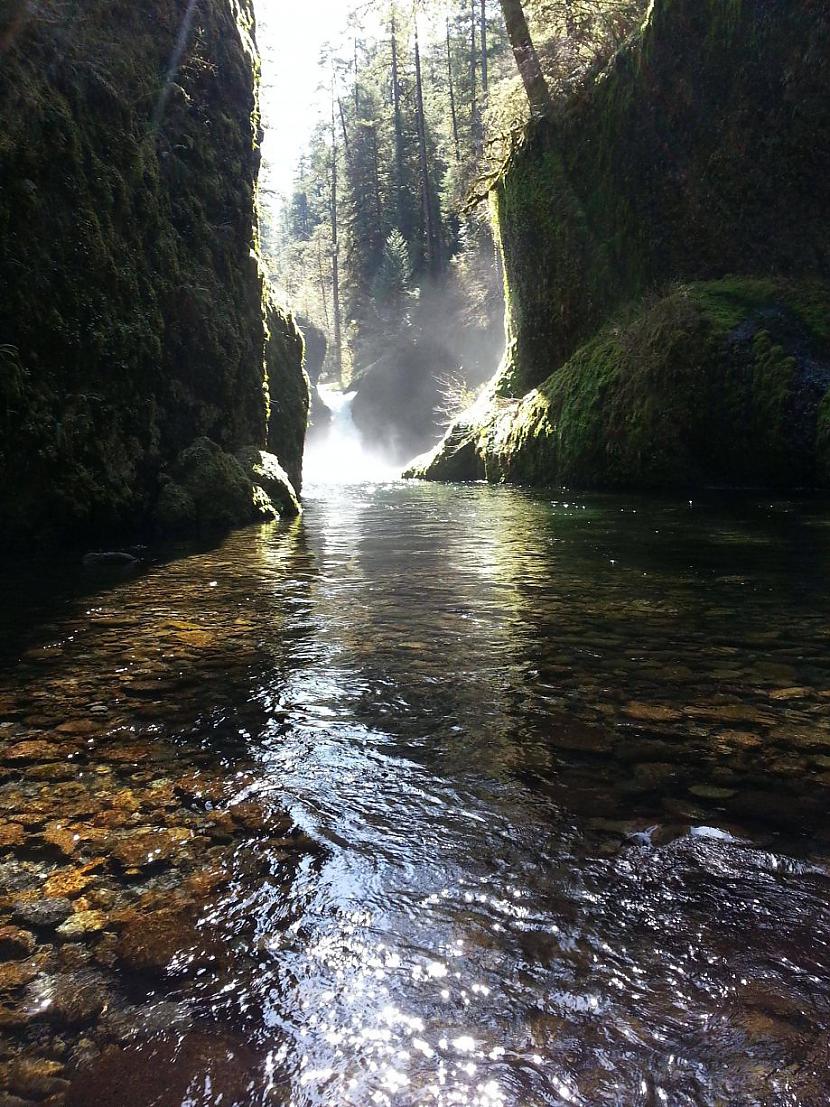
(690, 157)
(722, 383)
(385, 241)
(132, 306)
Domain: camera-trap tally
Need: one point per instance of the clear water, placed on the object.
(557, 774)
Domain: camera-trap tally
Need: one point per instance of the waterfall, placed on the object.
(338, 455)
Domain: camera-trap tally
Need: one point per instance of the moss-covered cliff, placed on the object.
(720, 382)
(133, 316)
(700, 152)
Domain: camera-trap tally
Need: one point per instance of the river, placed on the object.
(440, 796)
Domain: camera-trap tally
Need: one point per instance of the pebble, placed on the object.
(712, 792)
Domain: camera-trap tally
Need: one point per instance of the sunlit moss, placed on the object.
(717, 383)
(693, 154)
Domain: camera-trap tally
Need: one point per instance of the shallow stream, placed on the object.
(439, 796)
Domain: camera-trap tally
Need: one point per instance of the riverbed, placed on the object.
(440, 795)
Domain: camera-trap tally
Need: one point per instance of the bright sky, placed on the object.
(291, 34)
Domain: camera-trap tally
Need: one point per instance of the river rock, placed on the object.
(651, 713)
(76, 1001)
(79, 728)
(116, 559)
(82, 924)
(44, 914)
(167, 1071)
(15, 975)
(711, 792)
(24, 752)
(151, 940)
(15, 944)
(34, 1078)
(11, 836)
(149, 848)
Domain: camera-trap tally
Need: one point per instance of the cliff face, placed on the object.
(700, 153)
(133, 317)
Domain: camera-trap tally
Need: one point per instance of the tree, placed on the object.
(526, 57)
(335, 248)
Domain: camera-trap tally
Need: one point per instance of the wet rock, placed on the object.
(11, 836)
(199, 792)
(24, 752)
(151, 941)
(801, 737)
(149, 1020)
(737, 739)
(76, 1001)
(83, 924)
(731, 713)
(176, 1071)
(711, 792)
(15, 975)
(117, 559)
(786, 694)
(79, 728)
(657, 774)
(149, 848)
(34, 1078)
(256, 817)
(71, 882)
(44, 914)
(60, 839)
(651, 713)
(16, 944)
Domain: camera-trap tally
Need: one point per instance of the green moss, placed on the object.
(127, 282)
(693, 155)
(268, 476)
(717, 383)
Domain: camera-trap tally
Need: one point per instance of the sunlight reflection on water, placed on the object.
(563, 823)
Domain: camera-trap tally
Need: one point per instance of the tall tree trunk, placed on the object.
(346, 146)
(485, 82)
(335, 250)
(526, 57)
(430, 234)
(376, 177)
(398, 120)
(451, 82)
(322, 278)
(473, 60)
(356, 85)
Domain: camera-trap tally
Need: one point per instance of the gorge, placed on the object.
(500, 784)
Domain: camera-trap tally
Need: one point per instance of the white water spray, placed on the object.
(338, 455)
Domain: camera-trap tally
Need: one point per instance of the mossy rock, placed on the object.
(208, 489)
(723, 383)
(269, 477)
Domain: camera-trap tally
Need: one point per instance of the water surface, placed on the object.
(440, 796)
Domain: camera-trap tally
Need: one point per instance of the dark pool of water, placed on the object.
(441, 796)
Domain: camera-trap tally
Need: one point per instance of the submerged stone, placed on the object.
(44, 914)
(195, 1068)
